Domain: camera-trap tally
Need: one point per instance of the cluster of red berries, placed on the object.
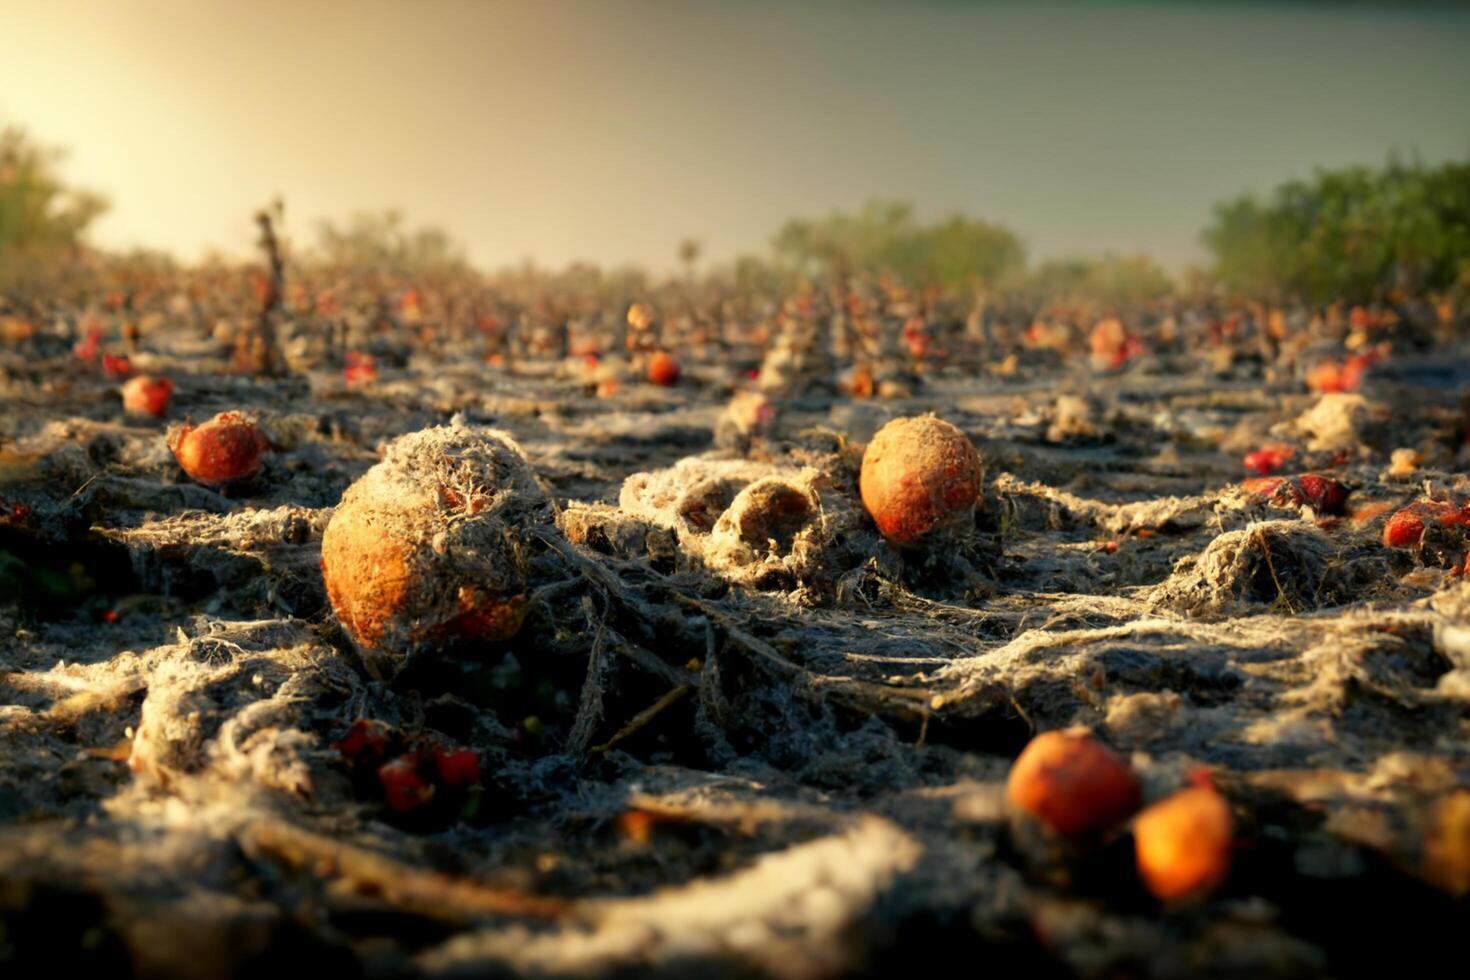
(411, 772)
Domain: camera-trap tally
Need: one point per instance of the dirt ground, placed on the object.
(737, 734)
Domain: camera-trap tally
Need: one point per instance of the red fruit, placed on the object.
(361, 368)
(1182, 844)
(87, 349)
(1265, 486)
(227, 448)
(116, 366)
(1404, 529)
(920, 477)
(457, 767)
(663, 369)
(366, 742)
(418, 553)
(1072, 783)
(144, 395)
(404, 787)
(1326, 378)
(1326, 495)
(1268, 459)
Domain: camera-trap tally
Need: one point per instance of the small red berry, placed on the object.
(457, 767)
(1268, 459)
(1325, 494)
(361, 368)
(404, 787)
(117, 366)
(1404, 529)
(366, 742)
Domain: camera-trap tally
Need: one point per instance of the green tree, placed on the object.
(42, 220)
(886, 236)
(383, 241)
(1356, 234)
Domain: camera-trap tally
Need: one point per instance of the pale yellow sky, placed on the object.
(609, 130)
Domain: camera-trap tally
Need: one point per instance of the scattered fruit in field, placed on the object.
(144, 395)
(921, 478)
(404, 787)
(1268, 459)
(1182, 844)
(227, 448)
(663, 369)
(422, 551)
(1072, 783)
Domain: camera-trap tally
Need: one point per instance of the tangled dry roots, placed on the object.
(758, 526)
(424, 550)
(1289, 564)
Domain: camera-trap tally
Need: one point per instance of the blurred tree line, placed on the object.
(42, 220)
(958, 251)
(383, 241)
(1358, 234)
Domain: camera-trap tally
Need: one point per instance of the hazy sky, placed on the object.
(609, 130)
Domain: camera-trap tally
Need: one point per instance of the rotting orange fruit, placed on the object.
(1182, 844)
(1404, 529)
(663, 369)
(144, 395)
(921, 477)
(1072, 783)
(422, 552)
(227, 448)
